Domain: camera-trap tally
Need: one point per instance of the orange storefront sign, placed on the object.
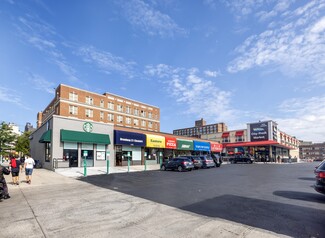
(170, 142)
(216, 147)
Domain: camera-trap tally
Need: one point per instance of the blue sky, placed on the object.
(232, 61)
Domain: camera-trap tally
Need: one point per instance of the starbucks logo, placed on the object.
(88, 127)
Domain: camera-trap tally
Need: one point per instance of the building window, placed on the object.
(89, 100)
(128, 110)
(110, 117)
(89, 112)
(73, 110)
(136, 112)
(120, 119)
(136, 122)
(120, 108)
(47, 152)
(101, 115)
(239, 138)
(143, 113)
(225, 140)
(150, 124)
(110, 105)
(101, 103)
(73, 96)
(150, 115)
(128, 120)
(143, 123)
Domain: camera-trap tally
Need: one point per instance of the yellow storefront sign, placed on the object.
(155, 141)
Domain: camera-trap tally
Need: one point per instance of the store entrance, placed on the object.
(71, 156)
(118, 159)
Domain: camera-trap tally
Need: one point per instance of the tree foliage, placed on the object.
(22, 144)
(7, 138)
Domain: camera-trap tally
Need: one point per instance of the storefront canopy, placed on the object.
(201, 146)
(129, 138)
(155, 141)
(184, 144)
(46, 137)
(84, 137)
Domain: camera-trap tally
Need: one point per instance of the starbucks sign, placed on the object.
(88, 127)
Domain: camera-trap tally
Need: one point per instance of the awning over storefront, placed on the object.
(84, 137)
(201, 146)
(184, 144)
(171, 142)
(216, 147)
(251, 143)
(155, 141)
(129, 138)
(239, 133)
(46, 137)
(225, 134)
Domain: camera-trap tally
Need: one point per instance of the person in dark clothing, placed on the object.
(15, 168)
(22, 163)
(3, 184)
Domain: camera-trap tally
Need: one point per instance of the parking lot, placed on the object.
(275, 197)
(236, 200)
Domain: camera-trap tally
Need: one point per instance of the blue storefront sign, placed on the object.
(129, 138)
(201, 146)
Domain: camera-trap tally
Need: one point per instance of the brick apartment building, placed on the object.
(107, 108)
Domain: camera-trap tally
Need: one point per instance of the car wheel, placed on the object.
(163, 167)
(179, 168)
(232, 162)
(250, 162)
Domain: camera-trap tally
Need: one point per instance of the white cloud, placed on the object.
(296, 47)
(150, 20)
(8, 95)
(212, 74)
(201, 97)
(305, 118)
(42, 36)
(41, 84)
(107, 61)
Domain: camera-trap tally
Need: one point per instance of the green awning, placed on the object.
(46, 137)
(84, 137)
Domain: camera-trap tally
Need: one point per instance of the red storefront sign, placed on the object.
(216, 147)
(170, 143)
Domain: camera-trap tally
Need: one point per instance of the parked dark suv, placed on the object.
(241, 159)
(197, 162)
(320, 178)
(207, 161)
(179, 163)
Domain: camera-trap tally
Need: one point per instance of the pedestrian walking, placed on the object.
(4, 194)
(29, 166)
(22, 163)
(278, 159)
(15, 168)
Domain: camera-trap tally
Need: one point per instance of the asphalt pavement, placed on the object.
(60, 204)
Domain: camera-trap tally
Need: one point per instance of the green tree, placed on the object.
(7, 139)
(22, 144)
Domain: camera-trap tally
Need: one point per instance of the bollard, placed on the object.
(145, 165)
(107, 166)
(160, 162)
(85, 167)
(128, 165)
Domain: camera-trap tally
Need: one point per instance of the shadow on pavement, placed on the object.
(204, 198)
(309, 197)
(308, 179)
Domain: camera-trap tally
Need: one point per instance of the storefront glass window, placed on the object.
(47, 152)
(70, 153)
(88, 149)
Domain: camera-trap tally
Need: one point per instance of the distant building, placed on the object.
(29, 127)
(201, 128)
(312, 151)
(259, 139)
(14, 128)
